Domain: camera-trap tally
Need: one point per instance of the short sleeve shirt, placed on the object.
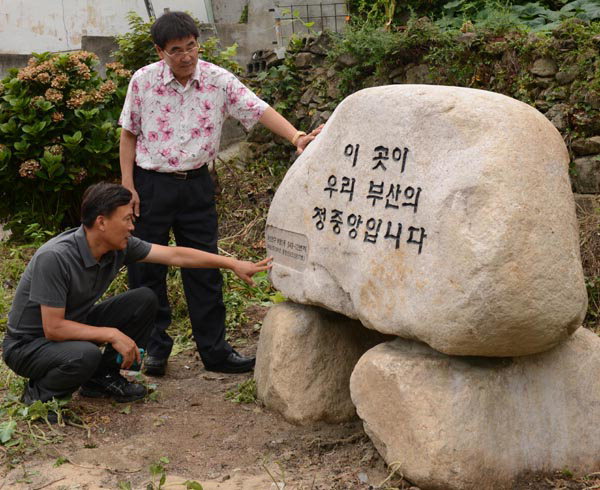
(63, 273)
(179, 128)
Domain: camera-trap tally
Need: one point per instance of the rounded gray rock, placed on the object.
(442, 214)
(304, 360)
(471, 423)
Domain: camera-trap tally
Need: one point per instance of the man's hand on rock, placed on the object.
(245, 269)
(303, 141)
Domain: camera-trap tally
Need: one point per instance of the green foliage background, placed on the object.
(59, 134)
(541, 14)
(59, 131)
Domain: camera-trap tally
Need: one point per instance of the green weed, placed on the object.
(158, 474)
(243, 393)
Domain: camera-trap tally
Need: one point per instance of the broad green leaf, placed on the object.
(192, 485)
(7, 429)
(9, 127)
(278, 297)
(21, 146)
(37, 410)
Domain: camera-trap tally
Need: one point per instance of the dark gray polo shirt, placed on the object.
(64, 274)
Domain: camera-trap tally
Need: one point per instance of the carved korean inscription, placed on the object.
(287, 248)
(384, 188)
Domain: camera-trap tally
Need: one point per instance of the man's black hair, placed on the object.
(102, 199)
(171, 26)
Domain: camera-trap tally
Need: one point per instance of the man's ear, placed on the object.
(100, 222)
(159, 51)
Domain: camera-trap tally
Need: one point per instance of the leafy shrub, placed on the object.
(388, 12)
(59, 134)
(279, 85)
(136, 48)
(378, 51)
(497, 14)
(492, 14)
(539, 17)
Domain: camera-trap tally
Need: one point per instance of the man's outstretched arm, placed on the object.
(197, 259)
(279, 125)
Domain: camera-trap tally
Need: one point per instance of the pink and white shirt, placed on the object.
(179, 128)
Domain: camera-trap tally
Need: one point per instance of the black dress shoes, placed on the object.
(155, 366)
(233, 363)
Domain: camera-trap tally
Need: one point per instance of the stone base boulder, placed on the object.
(304, 361)
(474, 423)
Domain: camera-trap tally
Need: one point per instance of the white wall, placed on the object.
(228, 11)
(28, 26)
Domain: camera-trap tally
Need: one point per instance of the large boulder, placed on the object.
(442, 214)
(304, 360)
(471, 422)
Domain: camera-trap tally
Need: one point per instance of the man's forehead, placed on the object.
(180, 43)
(125, 210)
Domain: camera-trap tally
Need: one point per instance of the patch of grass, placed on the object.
(238, 296)
(567, 473)
(13, 260)
(158, 481)
(243, 393)
(25, 430)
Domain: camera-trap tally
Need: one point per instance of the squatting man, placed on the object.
(56, 326)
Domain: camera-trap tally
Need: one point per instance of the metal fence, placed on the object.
(303, 19)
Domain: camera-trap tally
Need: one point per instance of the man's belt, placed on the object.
(181, 174)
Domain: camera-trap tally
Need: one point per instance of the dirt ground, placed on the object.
(211, 440)
(221, 444)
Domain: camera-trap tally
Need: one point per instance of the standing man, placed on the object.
(172, 121)
(56, 325)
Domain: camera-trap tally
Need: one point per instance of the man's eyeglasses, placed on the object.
(177, 55)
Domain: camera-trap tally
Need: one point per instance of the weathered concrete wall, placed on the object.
(228, 11)
(8, 61)
(28, 26)
(268, 27)
(103, 47)
(261, 25)
(33, 26)
(235, 33)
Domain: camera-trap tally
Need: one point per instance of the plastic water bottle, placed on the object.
(136, 366)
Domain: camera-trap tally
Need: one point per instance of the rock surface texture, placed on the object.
(304, 361)
(473, 423)
(441, 214)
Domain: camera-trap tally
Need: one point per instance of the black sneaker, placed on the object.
(27, 397)
(113, 385)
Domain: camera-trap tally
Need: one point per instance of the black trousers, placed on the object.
(57, 369)
(186, 206)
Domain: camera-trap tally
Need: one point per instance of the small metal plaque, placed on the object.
(287, 247)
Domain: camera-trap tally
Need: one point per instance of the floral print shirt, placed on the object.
(179, 128)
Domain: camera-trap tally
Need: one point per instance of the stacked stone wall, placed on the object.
(558, 74)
